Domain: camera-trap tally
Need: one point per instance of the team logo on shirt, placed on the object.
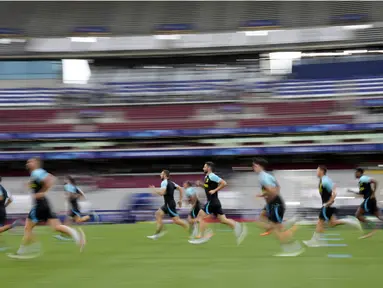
(206, 185)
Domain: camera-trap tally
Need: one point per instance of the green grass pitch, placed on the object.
(121, 256)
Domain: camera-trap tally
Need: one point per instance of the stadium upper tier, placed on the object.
(192, 90)
(140, 18)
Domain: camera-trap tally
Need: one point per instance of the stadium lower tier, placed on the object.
(196, 152)
(171, 125)
(186, 163)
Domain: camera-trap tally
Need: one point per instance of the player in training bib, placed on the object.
(191, 195)
(41, 182)
(367, 189)
(276, 210)
(212, 184)
(327, 192)
(169, 208)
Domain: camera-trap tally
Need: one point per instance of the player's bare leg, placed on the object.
(28, 232)
(159, 225)
(191, 221)
(239, 230)
(316, 241)
(79, 238)
(68, 221)
(335, 222)
(263, 222)
(352, 221)
(192, 226)
(267, 225)
(79, 219)
(202, 223)
(159, 220)
(291, 247)
(204, 233)
(284, 236)
(177, 220)
(360, 216)
(6, 227)
(28, 246)
(224, 220)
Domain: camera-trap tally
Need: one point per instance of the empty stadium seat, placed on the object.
(329, 88)
(210, 89)
(296, 121)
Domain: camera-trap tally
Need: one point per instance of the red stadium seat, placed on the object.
(166, 117)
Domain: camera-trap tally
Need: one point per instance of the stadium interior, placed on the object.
(113, 93)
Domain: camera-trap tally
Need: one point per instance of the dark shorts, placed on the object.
(326, 213)
(194, 212)
(3, 217)
(276, 212)
(170, 209)
(369, 205)
(41, 212)
(75, 211)
(213, 207)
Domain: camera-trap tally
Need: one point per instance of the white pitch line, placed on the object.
(331, 239)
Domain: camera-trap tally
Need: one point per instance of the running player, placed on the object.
(327, 192)
(276, 209)
(41, 181)
(169, 208)
(196, 206)
(5, 200)
(73, 194)
(212, 185)
(367, 189)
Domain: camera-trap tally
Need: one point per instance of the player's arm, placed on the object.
(270, 186)
(271, 190)
(67, 195)
(47, 182)
(82, 194)
(221, 184)
(262, 194)
(199, 184)
(67, 192)
(9, 200)
(357, 193)
(158, 191)
(332, 198)
(179, 188)
(375, 184)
